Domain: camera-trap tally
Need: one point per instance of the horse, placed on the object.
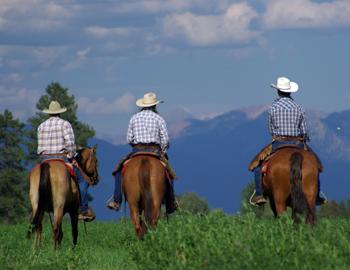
(54, 189)
(291, 180)
(144, 187)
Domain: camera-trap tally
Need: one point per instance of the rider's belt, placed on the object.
(142, 146)
(58, 155)
(287, 138)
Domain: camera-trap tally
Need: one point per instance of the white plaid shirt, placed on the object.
(287, 118)
(55, 135)
(148, 127)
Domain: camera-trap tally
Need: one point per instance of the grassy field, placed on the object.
(214, 241)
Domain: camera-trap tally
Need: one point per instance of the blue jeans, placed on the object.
(276, 144)
(83, 185)
(257, 178)
(118, 197)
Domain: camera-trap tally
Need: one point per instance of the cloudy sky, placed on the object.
(204, 56)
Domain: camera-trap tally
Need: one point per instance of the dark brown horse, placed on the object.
(144, 186)
(291, 180)
(52, 189)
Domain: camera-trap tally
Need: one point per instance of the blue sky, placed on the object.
(202, 55)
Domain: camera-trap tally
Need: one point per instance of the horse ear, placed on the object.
(79, 147)
(95, 147)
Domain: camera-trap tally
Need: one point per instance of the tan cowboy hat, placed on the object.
(285, 85)
(148, 100)
(54, 108)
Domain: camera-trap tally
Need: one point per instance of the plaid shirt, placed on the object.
(55, 135)
(287, 118)
(148, 127)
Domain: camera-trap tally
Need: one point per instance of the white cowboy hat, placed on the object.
(285, 85)
(148, 100)
(54, 108)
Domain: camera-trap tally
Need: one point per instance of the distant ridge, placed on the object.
(211, 156)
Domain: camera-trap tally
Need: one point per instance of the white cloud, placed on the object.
(202, 30)
(125, 103)
(104, 32)
(160, 6)
(306, 14)
(78, 59)
(33, 14)
(20, 101)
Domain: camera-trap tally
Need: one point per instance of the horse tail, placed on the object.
(299, 202)
(145, 183)
(45, 196)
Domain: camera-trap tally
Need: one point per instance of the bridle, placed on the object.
(89, 165)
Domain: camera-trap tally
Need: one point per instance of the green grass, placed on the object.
(215, 241)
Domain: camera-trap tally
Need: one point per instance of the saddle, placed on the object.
(262, 158)
(121, 166)
(265, 163)
(69, 166)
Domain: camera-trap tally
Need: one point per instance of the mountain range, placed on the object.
(211, 156)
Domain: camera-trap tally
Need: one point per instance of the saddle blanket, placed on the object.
(69, 166)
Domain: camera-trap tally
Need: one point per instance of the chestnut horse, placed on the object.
(291, 180)
(144, 187)
(52, 189)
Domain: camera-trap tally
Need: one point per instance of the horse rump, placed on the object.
(45, 194)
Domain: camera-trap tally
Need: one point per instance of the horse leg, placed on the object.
(38, 229)
(156, 214)
(57, 226)
(273, 206)
(310, 217)
(135, 218)
(74, 223)
(280, 206)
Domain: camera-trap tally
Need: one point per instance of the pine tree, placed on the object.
(55, 91)
(13, 174)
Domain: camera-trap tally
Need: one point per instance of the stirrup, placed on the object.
(262, 202)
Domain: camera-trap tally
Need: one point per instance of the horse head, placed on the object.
(87, 160)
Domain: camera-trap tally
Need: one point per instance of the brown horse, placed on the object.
(291, 180)
(144, 186)
(53, 189)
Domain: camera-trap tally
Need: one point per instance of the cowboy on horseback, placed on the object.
(56, 141)
(287, 126)
(147, 132)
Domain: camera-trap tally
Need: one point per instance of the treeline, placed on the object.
(18, 144)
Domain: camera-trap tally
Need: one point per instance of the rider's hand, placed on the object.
(75, 163)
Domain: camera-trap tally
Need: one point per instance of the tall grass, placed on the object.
(213, 241)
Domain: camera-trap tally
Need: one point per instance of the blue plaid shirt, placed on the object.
(148, 127)
(287, 118)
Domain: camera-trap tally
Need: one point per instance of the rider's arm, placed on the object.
(40, 141)
(69, 140)
(130, 134)
(303, 127)
(270, 123)
(164, 137)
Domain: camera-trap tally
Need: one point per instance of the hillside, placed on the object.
(211, 156)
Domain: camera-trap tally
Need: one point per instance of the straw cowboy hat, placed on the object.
(148, 100)
(285, 85)
(54, 108)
